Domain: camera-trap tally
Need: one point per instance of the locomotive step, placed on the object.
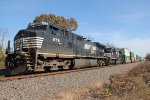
(29, 62)
(28, 55)
(29, 65)
(28, 58)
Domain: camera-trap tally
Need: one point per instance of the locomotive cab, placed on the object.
(108, 52)
(26, 44)
(29, 39)
(112, 55)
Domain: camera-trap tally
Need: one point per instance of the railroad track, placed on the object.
(11, 78)
(18, 77)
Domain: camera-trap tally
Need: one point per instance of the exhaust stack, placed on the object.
(8, 47)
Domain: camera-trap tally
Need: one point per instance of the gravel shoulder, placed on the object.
(48, 86)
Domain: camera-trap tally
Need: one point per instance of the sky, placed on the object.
(124, 23)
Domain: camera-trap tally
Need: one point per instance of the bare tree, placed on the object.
(3, 38)
(3, 34)
(147, 57)
(110, 45)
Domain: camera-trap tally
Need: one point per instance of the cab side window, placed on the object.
(79, 38)
(54, 30)
(64, 33)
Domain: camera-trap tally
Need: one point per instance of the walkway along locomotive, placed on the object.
(43, 46)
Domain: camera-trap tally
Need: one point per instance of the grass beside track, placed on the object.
(131, 85)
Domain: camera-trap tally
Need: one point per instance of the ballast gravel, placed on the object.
(40, 88)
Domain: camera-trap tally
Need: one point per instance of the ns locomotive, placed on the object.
(43, 46)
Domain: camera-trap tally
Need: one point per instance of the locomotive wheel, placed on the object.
(72, 64)
(107, 61)
(99, 63)
(47, 69)
(61, 68)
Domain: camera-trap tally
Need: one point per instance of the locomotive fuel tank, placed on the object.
(81, 63)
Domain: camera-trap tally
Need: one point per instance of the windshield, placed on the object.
(107, 50)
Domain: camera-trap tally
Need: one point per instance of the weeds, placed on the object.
(142, 68)
(133, 85)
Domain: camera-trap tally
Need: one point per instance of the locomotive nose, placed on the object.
(27, 39)
(25, 33)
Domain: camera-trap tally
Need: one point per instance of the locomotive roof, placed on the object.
(100, 44)
(43, 23)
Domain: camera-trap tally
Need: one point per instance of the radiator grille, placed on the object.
(29, 42)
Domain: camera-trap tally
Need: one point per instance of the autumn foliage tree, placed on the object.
(59, 21)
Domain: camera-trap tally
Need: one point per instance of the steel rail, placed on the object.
(18, 77)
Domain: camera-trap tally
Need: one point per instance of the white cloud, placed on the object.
(140, 46)
(132, 17)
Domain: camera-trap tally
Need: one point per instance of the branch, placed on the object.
(3, 35)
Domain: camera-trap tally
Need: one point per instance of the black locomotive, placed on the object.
(43, 46)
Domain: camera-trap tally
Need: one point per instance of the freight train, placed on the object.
(43, 46)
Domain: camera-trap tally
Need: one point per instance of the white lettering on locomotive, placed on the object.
(87, 46)
(56, 40)
(93, 49)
